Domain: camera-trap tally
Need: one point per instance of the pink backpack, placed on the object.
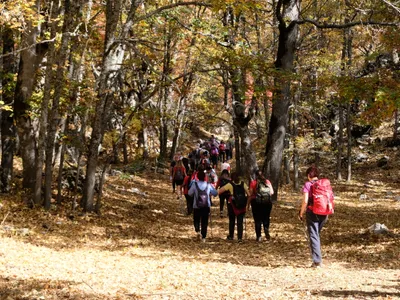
(322, 196)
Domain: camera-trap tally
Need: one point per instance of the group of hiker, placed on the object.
(199, 182)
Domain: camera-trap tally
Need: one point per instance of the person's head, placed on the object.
(312, 172)
(208, 169)
(201, 175)
(258, 175)
(225, 173)
(179, 163)
(190, 172)
(200, 169)
(235, 177)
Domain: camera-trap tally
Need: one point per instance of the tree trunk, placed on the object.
(70, 10)
(396, 125)
(30, 60)
(296, 98)
(349, 142)
(339, 144)
(7, 124)
(108, 88)
(164, 96)
(125, 149)
(287, 11)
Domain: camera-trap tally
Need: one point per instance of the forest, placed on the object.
(96, 98)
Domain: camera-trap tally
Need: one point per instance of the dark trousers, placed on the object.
(200, 220)
(228, 154)
(314, 227)
(232, 219)
(222, 156)
(222, 199)
(189, 204)
(173, 185)
(261, 215)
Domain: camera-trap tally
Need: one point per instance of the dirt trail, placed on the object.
(145, 248)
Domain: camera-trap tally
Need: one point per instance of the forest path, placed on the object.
(145, 248)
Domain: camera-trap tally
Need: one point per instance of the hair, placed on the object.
(235, 177)
(312, 171)
(224, 172)
(258, 175)
(179, 163)
(201, 175)
(209, 168)
(190, 172)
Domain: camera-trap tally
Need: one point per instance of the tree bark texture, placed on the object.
(108, 87)
(7, 124)
(30, 60)
(286, 11)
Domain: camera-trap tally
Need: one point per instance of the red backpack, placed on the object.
(322, 196)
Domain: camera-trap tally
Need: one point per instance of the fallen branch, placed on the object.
(5, 218)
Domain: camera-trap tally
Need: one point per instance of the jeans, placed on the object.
(200, 220)
(261, 215)
(314, 227)
(232, 219)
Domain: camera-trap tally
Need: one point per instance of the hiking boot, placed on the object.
(240, 241)
(203, 240)
(229, 238)
(221, 214)
(316, 265)
(259, 239)
(198, 235)
(267, 236)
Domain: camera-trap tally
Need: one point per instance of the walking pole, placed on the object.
(245, 232)
(304, 227)
(210, 223)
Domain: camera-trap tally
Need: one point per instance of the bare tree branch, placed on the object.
(173, 5)
(346, 25)
(28, 47)
(392, 6)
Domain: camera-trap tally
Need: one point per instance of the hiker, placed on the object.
(204, 161)
(229, 148)
(171, 171)
(212, 177)
(178, 175)
(226, 166)
(185, 162)
(200, 191)
(222, 181)
(187, 182)
(261, 205)
(221, 149)
(314, 222)
(239, 194)
(214, 156)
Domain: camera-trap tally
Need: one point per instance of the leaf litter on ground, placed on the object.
(145, 248)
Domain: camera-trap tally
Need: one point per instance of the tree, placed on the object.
(287, 13)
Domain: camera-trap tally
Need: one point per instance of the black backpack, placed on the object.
(202, 197)
(263, 194)
(239, 198)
